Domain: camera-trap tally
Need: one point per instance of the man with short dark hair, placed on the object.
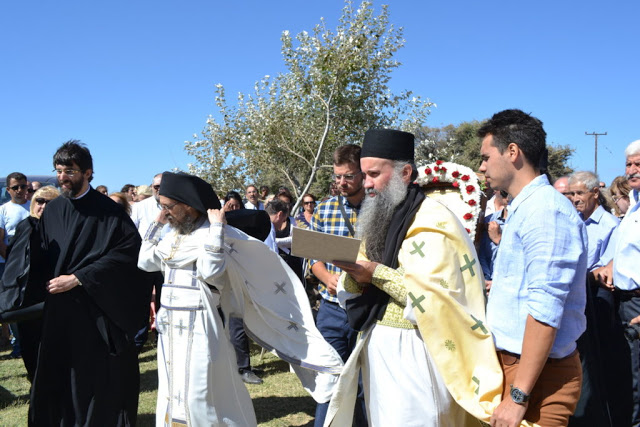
(537, 299)
(253, 202)
(338, 216)
(87, 371)
(129, 190)
(11, 213)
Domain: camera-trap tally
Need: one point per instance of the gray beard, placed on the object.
(375, 216)
(188, 225)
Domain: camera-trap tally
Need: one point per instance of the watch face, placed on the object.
(518, 396)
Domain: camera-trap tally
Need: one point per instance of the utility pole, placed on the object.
(596, 151)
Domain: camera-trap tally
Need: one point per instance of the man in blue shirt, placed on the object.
(537, 299)
(597, 344)
(338, 215)
(621, 274)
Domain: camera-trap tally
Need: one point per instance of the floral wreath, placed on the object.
(461, 178)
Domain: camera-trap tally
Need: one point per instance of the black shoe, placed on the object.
(250, 378)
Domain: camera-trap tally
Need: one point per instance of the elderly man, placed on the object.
(87, 370)
(621, 274)
(253, 202)
(596, 344)
(417, 268)
(203, 261)
(537, 299)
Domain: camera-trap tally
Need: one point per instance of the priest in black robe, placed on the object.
(87, 371)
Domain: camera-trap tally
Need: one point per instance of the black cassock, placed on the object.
(87, 371)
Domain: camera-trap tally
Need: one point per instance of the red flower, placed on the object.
(468, 231)
(465, 178)
(468, 216)
(439, 162)
(472, 202)
(470, 189)
(435, 179)
(436, 168)
(455, 184)
(443, 169)
(455, 174)
(427, 171)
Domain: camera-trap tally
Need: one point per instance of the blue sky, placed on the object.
(135, 79)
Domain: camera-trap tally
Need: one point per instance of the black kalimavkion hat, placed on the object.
(388, 144)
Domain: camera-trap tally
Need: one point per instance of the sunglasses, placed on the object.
(42, 201)
(156, 187)
(309, 203)
(21, 186)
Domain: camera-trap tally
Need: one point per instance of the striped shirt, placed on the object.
(327, 218)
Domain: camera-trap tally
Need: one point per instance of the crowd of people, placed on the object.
(532, 320)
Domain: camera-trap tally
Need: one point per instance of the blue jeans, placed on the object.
(334, 326)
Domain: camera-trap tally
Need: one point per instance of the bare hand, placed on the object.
(604, 275)
(62, 284)
(487, 285)
(331, 283)
(508, 414)
(361, 271)
(635, 320)
(216, 216)
(495, 232)
(162, 217)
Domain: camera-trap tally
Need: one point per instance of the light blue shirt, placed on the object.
(626, 274)
(600, 227)
(540, 270)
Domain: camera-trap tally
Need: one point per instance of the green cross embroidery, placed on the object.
(417, 249)
(450, 345)
(478, 324)
(477, 381)
(444, 283)
(415, 302)
(469, 265)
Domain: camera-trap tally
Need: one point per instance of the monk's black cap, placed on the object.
(388, 144)
(190, 190)
(255, 223)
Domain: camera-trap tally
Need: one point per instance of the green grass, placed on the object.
(279, 401)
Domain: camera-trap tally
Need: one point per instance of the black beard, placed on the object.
(74, 191)
(375, 217)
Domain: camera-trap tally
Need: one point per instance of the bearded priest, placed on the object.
(416, 294)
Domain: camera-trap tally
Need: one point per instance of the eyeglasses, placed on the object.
(20, 186)
(155, 187)
(42, 201)
(69, 172)
(348, 177)
(617, 198)
(168, 207)
(309, 203)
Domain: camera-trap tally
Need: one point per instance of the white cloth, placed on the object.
(10, 216)
(144, 213)
(199, 382)
(251, 206)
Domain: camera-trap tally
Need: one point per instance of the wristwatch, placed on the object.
(518, 396)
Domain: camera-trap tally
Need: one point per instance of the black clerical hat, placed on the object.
(190, 190)
(388, 144)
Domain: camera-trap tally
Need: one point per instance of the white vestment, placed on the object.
(199, 383)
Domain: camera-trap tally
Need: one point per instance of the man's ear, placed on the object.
(407, 171)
